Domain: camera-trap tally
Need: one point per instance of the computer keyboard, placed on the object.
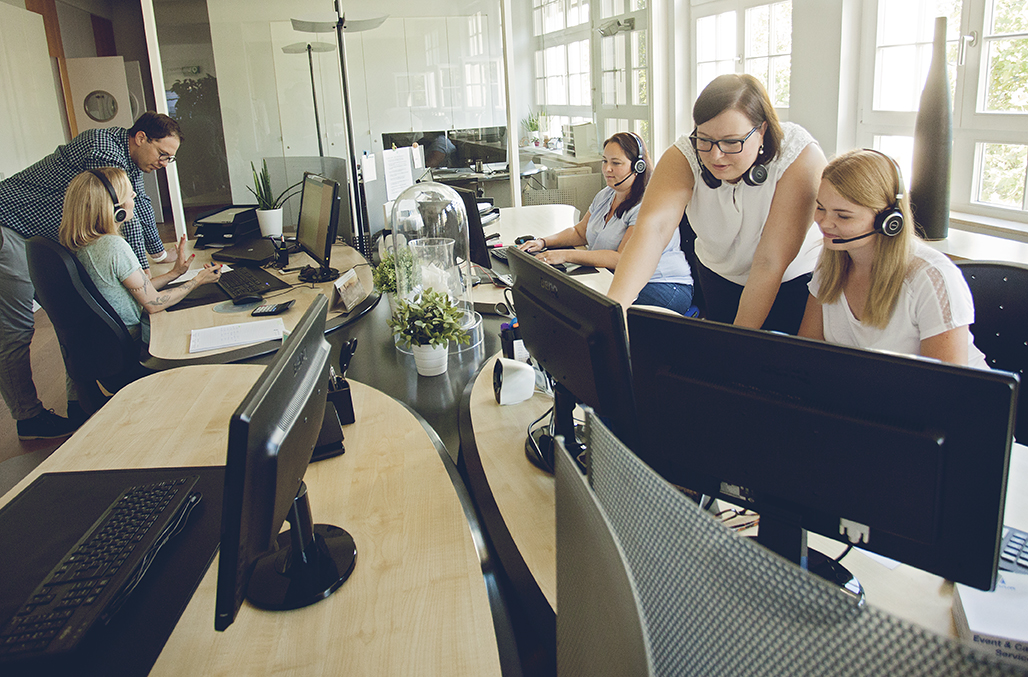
(247, 281)
(97, 574)
(500, 253)
(1013, 551)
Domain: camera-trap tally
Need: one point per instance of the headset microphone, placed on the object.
(624, 179)
(839, 240)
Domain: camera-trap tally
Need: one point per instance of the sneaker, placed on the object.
(76, 415)
(46, 425)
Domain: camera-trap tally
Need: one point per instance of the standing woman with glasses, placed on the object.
(748, 185)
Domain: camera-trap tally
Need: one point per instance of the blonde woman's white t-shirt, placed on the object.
(934, 298)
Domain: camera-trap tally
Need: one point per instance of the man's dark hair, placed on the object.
(156, 126)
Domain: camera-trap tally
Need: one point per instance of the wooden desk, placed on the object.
(416, 602)
(540, 221)
(169, 331)
(519, 514)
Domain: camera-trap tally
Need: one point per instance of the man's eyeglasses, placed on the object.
(726, 146)
(162, 157)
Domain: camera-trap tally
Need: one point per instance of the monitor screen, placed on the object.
(576, 335)
(270, 441)
(907, 453)
(319, 215)
(479, 253)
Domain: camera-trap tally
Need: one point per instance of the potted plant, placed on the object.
(384, 274)
(531, 125)
(269, 208)
(426, 324)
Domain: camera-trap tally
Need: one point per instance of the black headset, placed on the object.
(890, 220)
(639, 165)
(119, 212)
(754, 176)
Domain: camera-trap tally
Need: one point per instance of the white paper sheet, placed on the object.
(398, 172)
(240, 334)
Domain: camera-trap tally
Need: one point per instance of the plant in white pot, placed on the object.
(426, 324)
(269, 207)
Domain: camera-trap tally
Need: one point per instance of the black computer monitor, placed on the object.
(479, 251)
(577, 335)
(270, 441)
(316, 228)
(819, 437)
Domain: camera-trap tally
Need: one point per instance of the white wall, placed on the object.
(30, 120)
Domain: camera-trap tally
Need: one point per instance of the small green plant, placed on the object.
(384, 274)
(262, 189)
(431, 318)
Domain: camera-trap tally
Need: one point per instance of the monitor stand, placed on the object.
(318, 275)
(540, 445)
(309, 563)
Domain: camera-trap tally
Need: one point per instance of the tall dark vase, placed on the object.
(933, 146)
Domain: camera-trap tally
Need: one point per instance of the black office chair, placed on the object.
(1000, 328)
(94, 341)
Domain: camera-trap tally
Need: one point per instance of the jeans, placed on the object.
(670, 295)
(721, 298)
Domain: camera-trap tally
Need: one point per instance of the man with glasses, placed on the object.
(31, 203)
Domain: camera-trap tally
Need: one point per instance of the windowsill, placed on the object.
(988, 225)
(984, 238)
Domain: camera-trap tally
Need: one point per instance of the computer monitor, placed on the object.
(479, 251)
(911, 453)
(576, 335)
(316, 229)
(270, 441)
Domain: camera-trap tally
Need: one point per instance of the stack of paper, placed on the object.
(996, 621)
(240, 334)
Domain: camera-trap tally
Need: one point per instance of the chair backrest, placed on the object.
(600, 630)
(95, 342)
(550, 196)
(1000, 292)
(717, 603)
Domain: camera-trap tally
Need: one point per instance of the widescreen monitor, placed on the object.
(272, 435)
(316, 228)
(907, 455)
(576, 335)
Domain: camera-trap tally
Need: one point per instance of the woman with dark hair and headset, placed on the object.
(608, 225)
(747, 184)
(876, 284)
(96, 203)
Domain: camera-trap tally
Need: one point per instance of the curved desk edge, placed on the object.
(535, 605)
(257, 349)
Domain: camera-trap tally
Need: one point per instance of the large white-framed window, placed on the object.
(623, 82)
(752, 36)
(987, 54)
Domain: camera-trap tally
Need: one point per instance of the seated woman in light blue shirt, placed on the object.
(90, 227)
(607, 226)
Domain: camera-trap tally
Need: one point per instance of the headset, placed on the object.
(119, 212)
(889, 221)
(639, 166)
(754, 176)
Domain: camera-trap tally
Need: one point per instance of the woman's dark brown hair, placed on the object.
(745, 94)
(632, 144)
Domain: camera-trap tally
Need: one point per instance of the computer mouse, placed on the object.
(523, 239)
(249, 298)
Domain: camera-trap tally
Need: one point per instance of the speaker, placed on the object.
(513, 381)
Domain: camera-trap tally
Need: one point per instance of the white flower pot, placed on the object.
(270, 221)
(431, 360)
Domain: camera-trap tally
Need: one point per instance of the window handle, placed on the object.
(969, 40)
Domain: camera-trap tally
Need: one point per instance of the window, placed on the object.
(764, 31)
(987, 55)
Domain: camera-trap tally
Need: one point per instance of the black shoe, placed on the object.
(76, 414)
(46, 425)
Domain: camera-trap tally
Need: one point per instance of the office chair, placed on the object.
(716, 603)
(94, 341)
(549, 196)
(1000, 329)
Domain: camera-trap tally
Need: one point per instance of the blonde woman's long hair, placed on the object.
(88, 210)
(870, 179)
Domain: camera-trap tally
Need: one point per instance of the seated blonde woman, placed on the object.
(97, 202)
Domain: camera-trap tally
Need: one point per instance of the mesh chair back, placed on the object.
(716, 603)
(555, 196)
(1000, 292)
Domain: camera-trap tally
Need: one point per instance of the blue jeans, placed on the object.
(670, 295)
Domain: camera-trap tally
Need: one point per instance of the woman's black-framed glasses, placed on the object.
(726, 146)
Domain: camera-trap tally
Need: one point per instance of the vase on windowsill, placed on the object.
(933, 146)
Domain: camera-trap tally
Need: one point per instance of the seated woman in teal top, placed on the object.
(607, 226)
(90, 227)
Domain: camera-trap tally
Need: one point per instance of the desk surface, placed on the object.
(169, 331)
(524, 498)
(416, 602)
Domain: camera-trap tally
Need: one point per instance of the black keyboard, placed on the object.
(500, 253)
(247, 281)
(1013, 551)
(97, 574)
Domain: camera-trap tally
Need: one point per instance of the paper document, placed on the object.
(398, 172)
(193, 272)
(236, 334)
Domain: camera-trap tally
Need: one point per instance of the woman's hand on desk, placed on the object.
(209, 273)
(531, 246)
